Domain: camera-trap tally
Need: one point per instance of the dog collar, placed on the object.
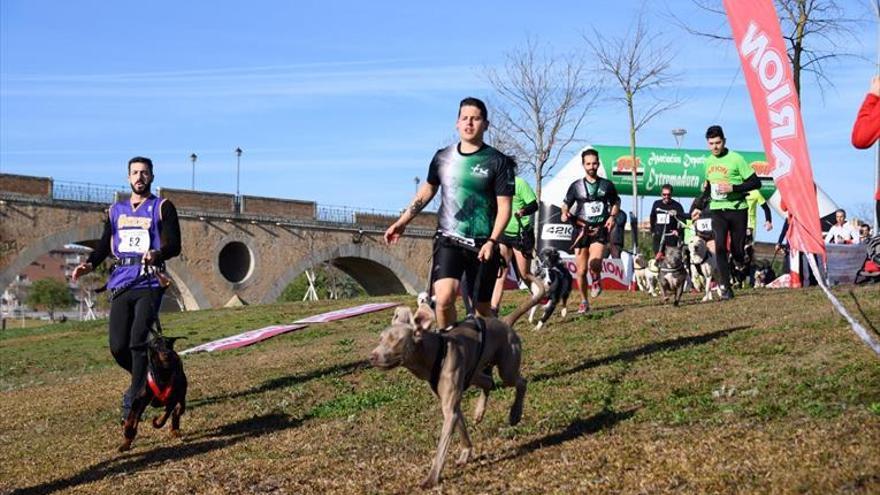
(160, 393)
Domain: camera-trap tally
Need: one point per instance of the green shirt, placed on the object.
(469, 185)
(689, 230)
(521, 197)
(731, 169)
(754, 200)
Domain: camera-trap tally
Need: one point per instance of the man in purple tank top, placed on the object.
(140, 231)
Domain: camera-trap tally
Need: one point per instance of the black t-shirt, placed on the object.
(593, 200)
(664, 219)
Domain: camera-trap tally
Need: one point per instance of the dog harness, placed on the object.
(477, 324)
(160, 393)
(673, 269)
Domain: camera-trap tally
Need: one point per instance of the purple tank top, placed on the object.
(135, 231)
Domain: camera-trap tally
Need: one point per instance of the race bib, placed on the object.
(704, 225)
(662, 218)
(594, 208)
(134, 241)
(717, 195)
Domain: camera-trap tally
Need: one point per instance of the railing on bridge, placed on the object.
(47, 189)
(349, 215)
(84, 191)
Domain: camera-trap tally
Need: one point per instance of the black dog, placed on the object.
(558, 279)
(764, 274)
(166, 387)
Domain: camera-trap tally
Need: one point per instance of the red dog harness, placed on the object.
(161, 394)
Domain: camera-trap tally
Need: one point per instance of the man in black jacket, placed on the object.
(666, 213)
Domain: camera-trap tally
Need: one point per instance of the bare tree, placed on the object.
(640, 63)
(541, 101)
(814, 30)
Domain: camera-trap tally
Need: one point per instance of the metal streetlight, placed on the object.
(237, 170)
(416, 180)
(193, 159)
(678, 134)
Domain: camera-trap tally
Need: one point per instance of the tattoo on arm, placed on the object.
(416, 206)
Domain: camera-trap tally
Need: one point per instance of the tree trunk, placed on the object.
(537, 226)
(632, 152)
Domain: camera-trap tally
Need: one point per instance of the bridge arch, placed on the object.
(190, 289)
(376, 271)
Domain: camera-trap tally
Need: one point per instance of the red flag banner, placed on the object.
(768, 76)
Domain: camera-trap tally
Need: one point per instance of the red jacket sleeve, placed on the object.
(866, 130)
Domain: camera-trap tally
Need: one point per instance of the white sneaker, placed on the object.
(539, 325)
(595, 290)
(563, 312)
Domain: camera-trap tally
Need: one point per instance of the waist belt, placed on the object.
(127, 261)
(453, 240)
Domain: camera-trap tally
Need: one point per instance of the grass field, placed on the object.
(768, 393)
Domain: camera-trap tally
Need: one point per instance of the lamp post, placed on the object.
(237, 179)
(237, 169)
(193, 159)
(678, 134)
(416, 180)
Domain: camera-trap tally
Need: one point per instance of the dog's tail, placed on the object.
(535, 299)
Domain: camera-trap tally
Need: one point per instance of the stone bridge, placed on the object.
(246, 247)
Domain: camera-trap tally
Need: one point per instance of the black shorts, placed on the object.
(453, 261)
(525, 245)
(593, 234)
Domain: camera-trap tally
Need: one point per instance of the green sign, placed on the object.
(684, 169)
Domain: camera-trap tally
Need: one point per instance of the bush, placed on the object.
(48, 295)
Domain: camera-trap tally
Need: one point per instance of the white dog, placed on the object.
(704, 261)
(647, 274)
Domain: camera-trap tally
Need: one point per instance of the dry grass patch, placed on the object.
(768, 393)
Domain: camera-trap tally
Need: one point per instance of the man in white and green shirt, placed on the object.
(729, 178)
(476, 183)
(518, 240)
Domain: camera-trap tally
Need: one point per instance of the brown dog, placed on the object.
(453, 360)
(166, 387)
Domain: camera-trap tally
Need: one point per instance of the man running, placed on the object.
(666, 213)
(597, 204)
(518, 240)
(141, 231)
(477, 184)
(728, 179)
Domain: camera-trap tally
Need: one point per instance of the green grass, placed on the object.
(768, 393)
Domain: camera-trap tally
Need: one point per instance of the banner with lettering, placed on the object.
(617, 273)
(767, 71)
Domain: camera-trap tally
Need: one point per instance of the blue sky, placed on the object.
(344, 103)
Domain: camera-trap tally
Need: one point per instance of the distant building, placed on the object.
(57, 264)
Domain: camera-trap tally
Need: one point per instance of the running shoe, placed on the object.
(726, 293)
(583, 307)
(595, 289)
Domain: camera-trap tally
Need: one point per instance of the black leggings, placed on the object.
(733, 222)
(131, 315)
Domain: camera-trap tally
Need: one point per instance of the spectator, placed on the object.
(864, 233)
(617, 234)
(841, 232)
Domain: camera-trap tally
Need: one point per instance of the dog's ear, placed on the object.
(402, 316)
